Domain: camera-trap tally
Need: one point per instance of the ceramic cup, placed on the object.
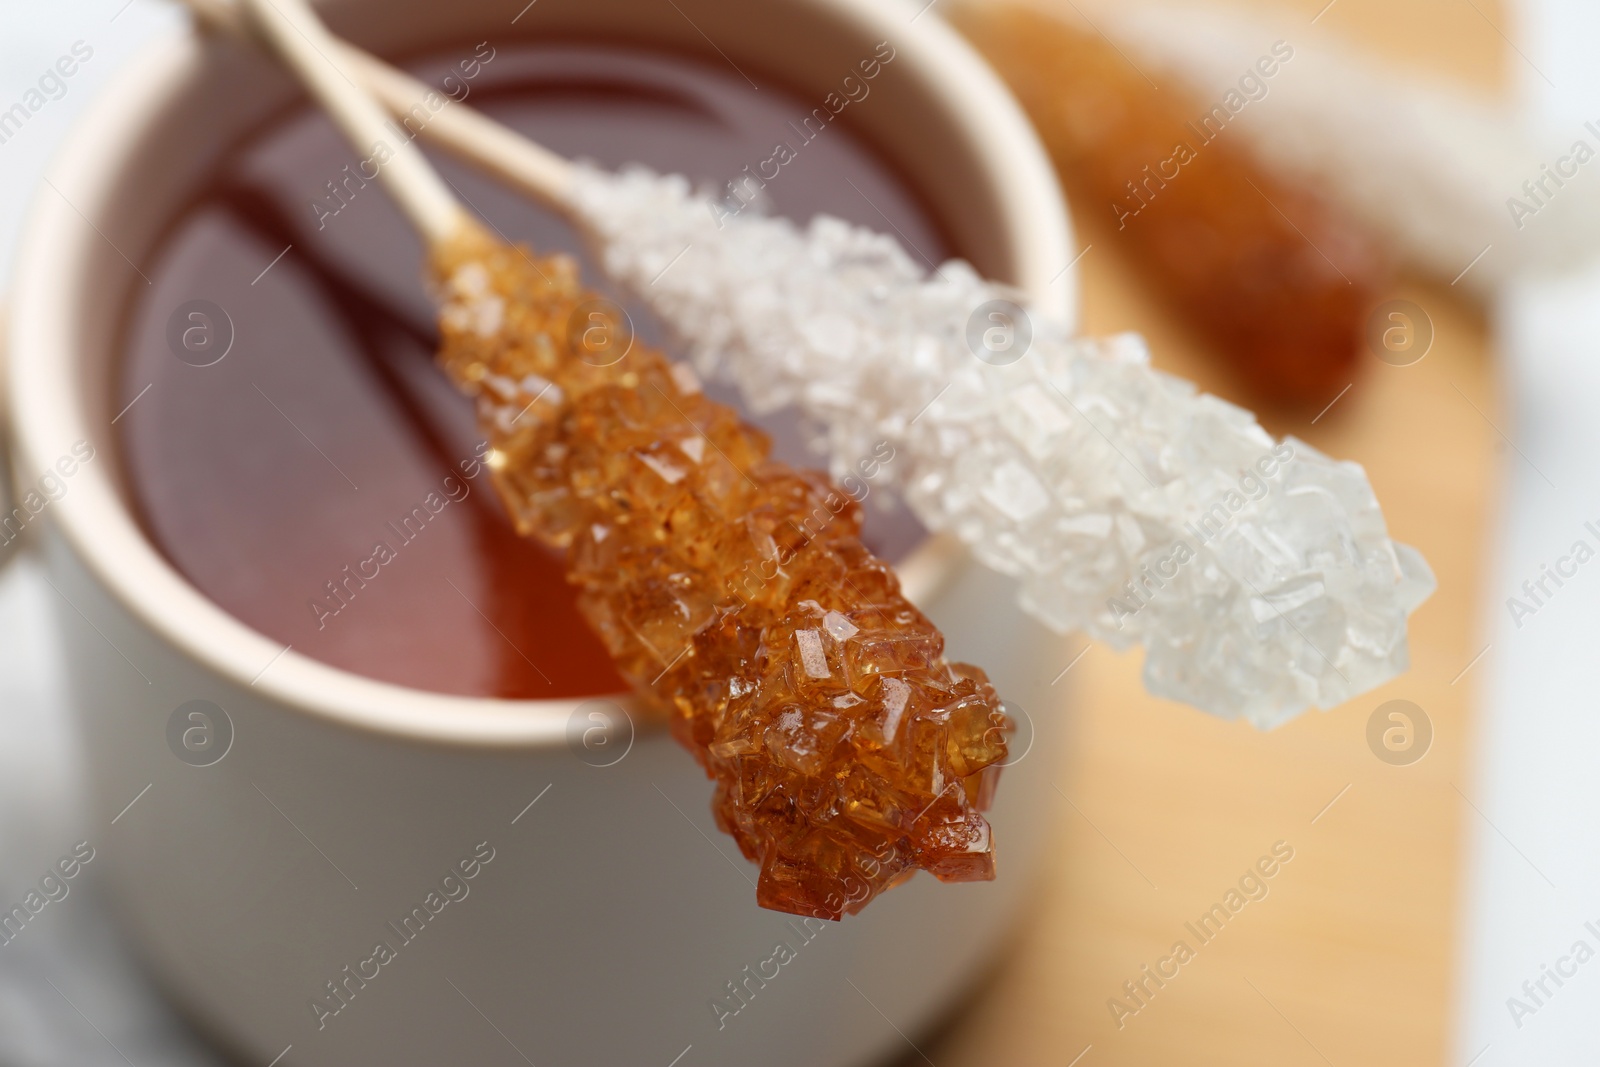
(542, 900)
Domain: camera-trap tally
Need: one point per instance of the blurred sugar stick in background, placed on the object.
(1275, 236)
(1282, 301)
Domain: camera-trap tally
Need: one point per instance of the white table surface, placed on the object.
(1533, 880)
(69, 994)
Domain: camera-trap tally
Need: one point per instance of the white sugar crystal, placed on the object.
(1258, 575)
(488, 315)
(1096, 526)
(670, 472)
(684, 377)
(470, 279)
(839, 627)
(897, 694)
(693, 447)
(812, 657)
(1015, 492)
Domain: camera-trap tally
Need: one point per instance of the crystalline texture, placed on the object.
(733, 592)
(1258, 575)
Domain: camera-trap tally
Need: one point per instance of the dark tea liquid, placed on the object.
(320, 480)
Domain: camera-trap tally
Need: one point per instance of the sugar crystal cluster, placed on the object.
(1258, 575)
(733, 592)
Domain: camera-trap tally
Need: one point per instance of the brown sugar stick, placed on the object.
(733, 591)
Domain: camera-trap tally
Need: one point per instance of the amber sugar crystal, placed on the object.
(1276, 279)
(733, 591)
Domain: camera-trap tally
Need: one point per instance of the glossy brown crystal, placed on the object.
(733, 592)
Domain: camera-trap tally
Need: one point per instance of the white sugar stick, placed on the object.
(1257, 574)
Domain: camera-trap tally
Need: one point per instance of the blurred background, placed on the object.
(1434, 871)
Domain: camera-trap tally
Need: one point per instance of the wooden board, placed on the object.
(1348, 959)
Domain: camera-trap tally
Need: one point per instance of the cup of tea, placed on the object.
(372, 793)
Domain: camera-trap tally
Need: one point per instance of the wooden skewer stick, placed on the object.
(304, 44)
(456, 128)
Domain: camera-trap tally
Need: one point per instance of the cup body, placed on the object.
(605, 919)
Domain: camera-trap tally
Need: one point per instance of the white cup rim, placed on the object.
(47, 416)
